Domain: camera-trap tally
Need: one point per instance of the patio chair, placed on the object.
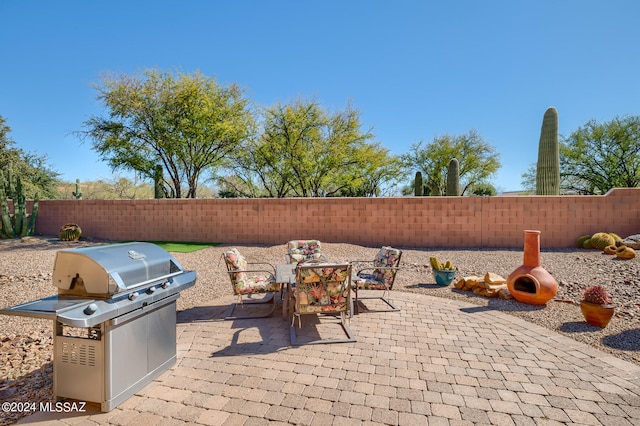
(322, 289)
(247, 280)
(380, 275)
(300, 250)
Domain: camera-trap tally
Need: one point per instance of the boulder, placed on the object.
(632, 241)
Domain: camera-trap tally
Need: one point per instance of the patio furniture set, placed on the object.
(308, 283)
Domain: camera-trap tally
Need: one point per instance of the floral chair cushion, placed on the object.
(242, 282)
(380, 279)
(322, 289)
(300, 250)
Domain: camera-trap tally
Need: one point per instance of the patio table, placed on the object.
(286, 276)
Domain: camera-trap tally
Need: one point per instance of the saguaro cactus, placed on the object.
(418, 187)
(453, 178)
(20, 223)
(159, 190)
(77, 194)
(548, 167)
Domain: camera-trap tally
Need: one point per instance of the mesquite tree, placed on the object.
(478, 161)
(187, 123)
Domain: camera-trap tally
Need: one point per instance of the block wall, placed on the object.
(447, 222)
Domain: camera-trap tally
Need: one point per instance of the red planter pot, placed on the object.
(598, 315)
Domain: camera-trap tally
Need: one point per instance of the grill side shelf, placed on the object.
(46, 308)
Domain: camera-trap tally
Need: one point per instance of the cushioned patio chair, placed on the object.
(322, 289)
(247, 280)
(379, 275)
(299, 250)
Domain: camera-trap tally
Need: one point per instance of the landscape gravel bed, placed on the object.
(26, 268)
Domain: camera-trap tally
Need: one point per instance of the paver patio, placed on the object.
(437, 361)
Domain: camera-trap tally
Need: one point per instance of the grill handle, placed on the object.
(122, 287)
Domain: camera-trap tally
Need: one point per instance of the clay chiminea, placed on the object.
(530, 282)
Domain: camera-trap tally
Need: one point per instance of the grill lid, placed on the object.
(102, 271)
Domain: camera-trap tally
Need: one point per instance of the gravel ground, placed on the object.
(26, 268)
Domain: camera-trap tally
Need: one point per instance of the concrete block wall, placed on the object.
(447, 222)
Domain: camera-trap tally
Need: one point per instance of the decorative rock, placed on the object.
(489, 286)
(625, 252)
(632, 241)
(505, 294)
(491, 278)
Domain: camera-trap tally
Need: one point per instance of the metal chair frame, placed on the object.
(386, 291)
(269, 298)
(289, 259)
(345, 287)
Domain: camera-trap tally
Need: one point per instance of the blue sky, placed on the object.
(414, 69)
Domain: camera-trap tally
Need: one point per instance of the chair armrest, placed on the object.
(237, 271)
(263, 263)
(288, 258)
(379, 268)
(353, 262)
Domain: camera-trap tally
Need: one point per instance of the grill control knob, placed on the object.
(151, 290)
(90, 309)
(133, 296)
(165, 285)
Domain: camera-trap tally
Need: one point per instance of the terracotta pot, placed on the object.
(598, 315)
(530, 282)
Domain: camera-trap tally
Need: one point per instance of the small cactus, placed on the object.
(596, 294)
(600, 240)
(436, 264)
(617, 238)
(582, 239)
(20, 223)
(70, 232)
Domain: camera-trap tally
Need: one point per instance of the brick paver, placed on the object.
(434, 362)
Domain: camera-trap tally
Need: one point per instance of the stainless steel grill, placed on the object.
(114, 319)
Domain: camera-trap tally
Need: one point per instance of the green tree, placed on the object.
(483, 190)
(256, 170)
(185, 122)
(600, 156)
(478, 161)
(528, 178)
(36, 175)
(303, 150)
(376, 173)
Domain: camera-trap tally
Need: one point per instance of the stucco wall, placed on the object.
(461, 222)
